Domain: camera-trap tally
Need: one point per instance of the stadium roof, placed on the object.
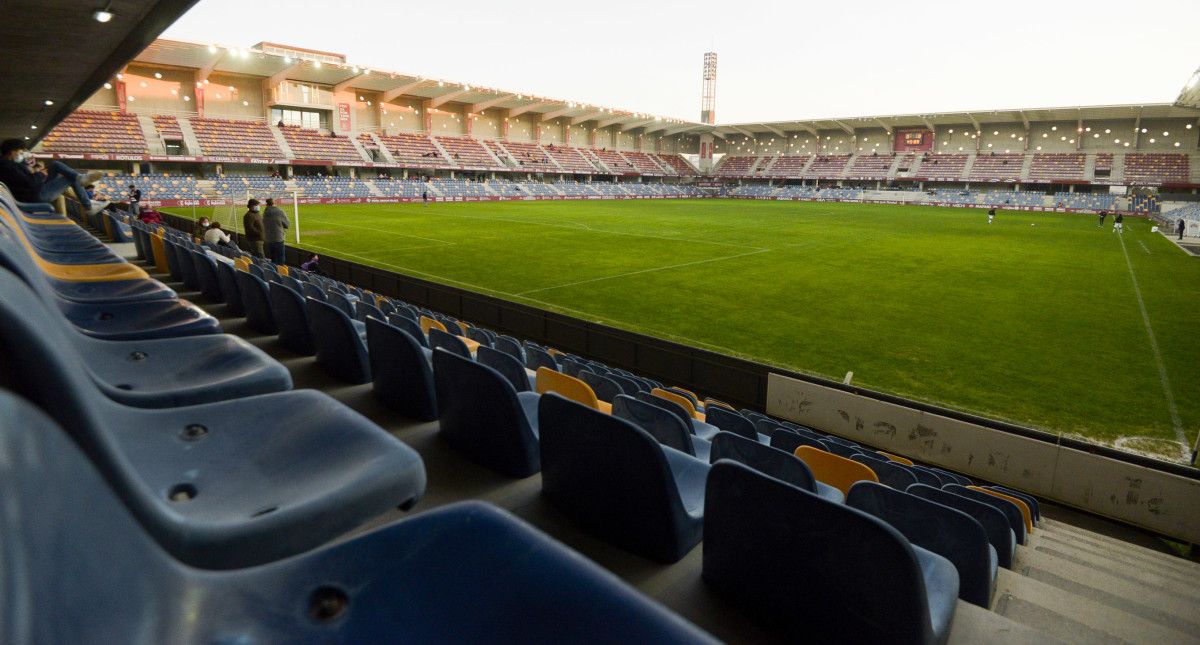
(54, 74)
(1189, 96)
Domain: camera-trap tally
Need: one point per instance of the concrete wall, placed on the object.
(401, 115)
(165, 93)
(234, 97)
(1162, 502)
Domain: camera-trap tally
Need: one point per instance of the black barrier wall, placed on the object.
(736, 381)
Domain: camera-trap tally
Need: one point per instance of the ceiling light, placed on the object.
(108, 86)
(49, 102)
(157, 75)
(103, 15)
(212, 49)
(317, 64)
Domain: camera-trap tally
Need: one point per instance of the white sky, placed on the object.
(777, 60)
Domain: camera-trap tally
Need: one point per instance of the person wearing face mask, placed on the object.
(43, 185)
(252, 225)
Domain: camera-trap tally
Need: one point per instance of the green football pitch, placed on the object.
(1044, 320)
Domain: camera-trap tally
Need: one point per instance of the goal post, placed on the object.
(232, 207)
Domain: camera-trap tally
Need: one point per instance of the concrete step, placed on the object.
(1125, 552)
(974, 624)
(1115, 589)
(1074, 552)
(1182, 564)
(1076, 619)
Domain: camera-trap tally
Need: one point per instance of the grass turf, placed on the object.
(1039, 325)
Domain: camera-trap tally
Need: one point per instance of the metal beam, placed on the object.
(397, 92)
(518, 111)
(626, 127)
(476, 108)
(928, 123)
(743, 131)
(975, 122)
(554, 114)
(1024, 119)
(680, 129)
(775, 130)
(439, 101)
(848, 130)
(607, 122)
(203, 73)
(885, 126)
(576, 120)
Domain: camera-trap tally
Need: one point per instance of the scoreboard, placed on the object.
(914, 140)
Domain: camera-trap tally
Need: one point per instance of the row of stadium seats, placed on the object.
(310, 144)
(91, 132)
(1085, 201)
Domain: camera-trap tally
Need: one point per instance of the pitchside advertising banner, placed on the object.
(914, 140)
(181, 203)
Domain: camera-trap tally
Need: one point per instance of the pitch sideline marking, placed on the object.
(650, 270)
(1176, 422)
(1144, 247)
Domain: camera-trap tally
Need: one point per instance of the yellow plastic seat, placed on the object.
(281, 269)
(896, 458)
(719, 404)
(428, 323)
(834, 470)
(75, 272)
(569, 387)
(160, 253)
(680, 399)
(242, 262)
(1020, 504)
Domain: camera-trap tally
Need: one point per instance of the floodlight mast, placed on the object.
(708, 91)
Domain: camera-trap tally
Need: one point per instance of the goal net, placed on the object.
(232, 209)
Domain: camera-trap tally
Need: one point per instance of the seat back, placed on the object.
(781, 465)
(402, 377)
(889, 473)
(482, 417)
(664, 426)
(341, 301)
(607, 474)
(570, 387)
(730, 421)
(291, 317)
(310, 290)
(410, 327)
(481, 336)
(206, 275)
(507, 365)
(839, 472)
(510, 346)
(1026, 515)
(840, 449)
(679, 400)
(229, 287)
(186, 267)
(428, 323)
(896, 458)
(667, 404)
(605, 388)
(340, 350)
(789, 440)
(930, 473)
(948, 532)
(628, 385)
(536, 357)
(1016, 521)
(687, 394)
(571, 366)
(1030, 501)
(256, 302)
(991, 519)
(782, 555)
(448, 341)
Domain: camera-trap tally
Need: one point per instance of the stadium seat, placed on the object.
(839, 472)
(1000, 536)
(570, 387)
(155, 373)
(484, 417)
(941, 481)
(889, 473)
(206, 276)
(664, 426)
(287, 307)
(781, 465)
(730, 421)
(411, 327)
(338, 342)
(449, 342)
(464, 567)
(1026, 515)
(508, 366)
(896, 458)
(679, 399)
(605, 388)
(699, 428)
(400, 372)
(789, 440)
(229, 288)
(948, 532)
(536, 357)
(510, 346)
(616, 481)
(256, 302)
(229, 483)
(874, 588)
(839, 449)
(1016, 521)
(1030, 501)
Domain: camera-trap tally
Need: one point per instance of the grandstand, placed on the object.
(361, 450)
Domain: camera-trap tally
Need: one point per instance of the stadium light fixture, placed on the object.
(1189, 126)
(1151, 140)
(1176, 144)
(108, 86)
(1166, 134)
(48, 102)
(157, 75)
(316, 64)
(212, 49)
(104, 14)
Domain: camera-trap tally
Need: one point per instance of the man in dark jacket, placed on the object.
(252, 228)
(45, 185)
(1179, 228)
(275, 222)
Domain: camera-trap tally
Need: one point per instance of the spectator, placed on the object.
(252, 224)
(274, 223)
(135, 199)
(313, 265)
(216, 237)
(150, 216)
(202, 226)
(280, 124)
(44, 185)
(1179, 228)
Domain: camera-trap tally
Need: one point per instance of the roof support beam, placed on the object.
(439, 101)
(576, 120)
(679, 129)
(518, 111)
(476, 108)
(1024, 119)
(928, 123)
(847, 129)
(975, 122)
(554, 114)
(203, 73)
(743, 131)
(626, 127)
(885, 126)
(600, 125)
(776, 131)
(346, 83)
(397, 92)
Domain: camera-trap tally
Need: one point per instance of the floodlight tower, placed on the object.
(708, 108)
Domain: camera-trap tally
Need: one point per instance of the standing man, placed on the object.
(425, 194)
(44, 185)
(252, 224)
(275, 222)
(1103, 214)
(1119, 223)
(991, 215)
(1179, 227)
(135, 200)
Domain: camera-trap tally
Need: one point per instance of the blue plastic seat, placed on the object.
(291, 317)
(482, 336)
(889, 473)
(950, 477)
(452, 574)
(1000, 536)
(484, 417)
(781, 465)
(817, 571)
(940, 481)
(946, 531)
(229, 287)
(508, 366)
(788, 440)
(341, 301)
(256, 302)
(840, 449)
(510, 346)
(402, 377)
(605, 388)
(616, 481)
(339, 344)
(310, 290)
(206, 275)
(229, 483)
(448, 342)
(362, 309)
(923, 475)
(662, 424)
(1029, 500)
(149, 373)
(698, 428)
(536, 357)
(629, 386)
(729, 421)
(186, 266)
(1016, 520)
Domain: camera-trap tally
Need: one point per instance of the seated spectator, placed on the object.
(313, 265)
(216, 237)
(38, 184)
(150, 216)
(202, 227)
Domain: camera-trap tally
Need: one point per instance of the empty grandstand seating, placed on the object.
(571, 159)
(613, 160)
(789, 166)
(678, 164)
(644, 163)
(827, 166)
(996, 167)
(414, 150)
(1156, 168)
(736, 166)
(468, 153)
(1104, 161)
(946, 167)
(1052, 167)
(168, 127)
(89, 132)
(224, 138)
(311, 144)
(152, 186)
(528, 156)
(870, 167)
(332, 187)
